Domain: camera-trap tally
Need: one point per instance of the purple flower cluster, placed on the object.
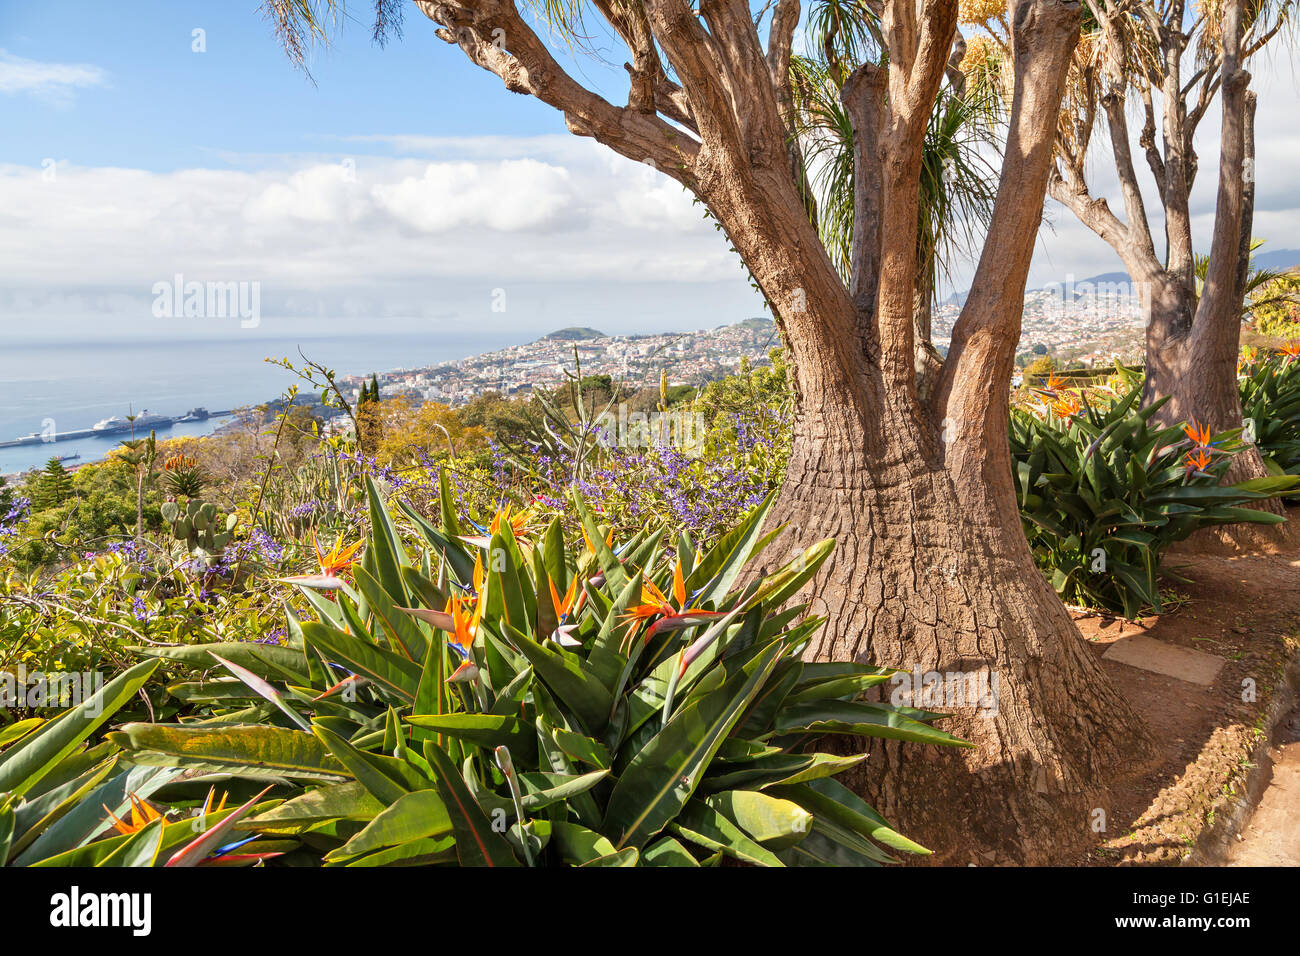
(19, 510)
(129, 551)
(704, 495)
(274, 637)
(372, 467)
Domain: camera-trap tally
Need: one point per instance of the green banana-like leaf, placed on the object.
(706, 826)
(572, 684)
(414, 816)
(483, 730)
(241, 749)
(340, 801)
(863, 720)
(771, 821)
(662, 776)
(394, 674)
(667, 851)
(389, 555)
(268, 661)
(24, 765)
(477, 843)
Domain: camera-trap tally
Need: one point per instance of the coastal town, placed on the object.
(1075, 327)
(1071, 327)
(687, 358)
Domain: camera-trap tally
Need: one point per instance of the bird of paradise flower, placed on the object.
(654, 604)
(332, 564)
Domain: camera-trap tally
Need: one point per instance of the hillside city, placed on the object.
(1090, 330)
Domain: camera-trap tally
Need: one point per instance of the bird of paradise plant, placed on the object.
(618, 757)
(521, 525)
(570, 604)
(655, 605)
(1066, 407)
(1197, 462)
(332, 564)
(142, 814)
(1197, 434)
(466, 613)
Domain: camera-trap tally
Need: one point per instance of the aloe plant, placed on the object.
(506, 699)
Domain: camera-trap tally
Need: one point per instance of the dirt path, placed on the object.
(1205, 677)
(1272, 838)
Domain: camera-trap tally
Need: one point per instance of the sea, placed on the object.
(77, 383)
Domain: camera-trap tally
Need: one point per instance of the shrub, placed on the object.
(541, 704)
(1103, 495)
(1270, 402)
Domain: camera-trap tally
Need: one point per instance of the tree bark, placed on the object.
(916, 583)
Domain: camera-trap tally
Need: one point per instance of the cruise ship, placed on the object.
(117, 423)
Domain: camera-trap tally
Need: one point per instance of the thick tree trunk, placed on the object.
(919, 581)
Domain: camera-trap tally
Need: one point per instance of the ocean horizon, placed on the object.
(75, 384)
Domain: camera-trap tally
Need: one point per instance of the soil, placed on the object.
(1192, 803)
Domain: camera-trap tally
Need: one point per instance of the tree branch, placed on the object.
(493, 35)
(971, 391)
(1216, 329)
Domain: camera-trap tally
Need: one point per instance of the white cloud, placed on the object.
(324, 232)
(507, 196)
(53, 82)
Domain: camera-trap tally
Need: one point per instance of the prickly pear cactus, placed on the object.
(200, 526)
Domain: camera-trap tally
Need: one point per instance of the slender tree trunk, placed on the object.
(1195, 362)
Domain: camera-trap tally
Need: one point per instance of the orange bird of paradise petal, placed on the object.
(1291, 349)
(142, 814)
(654, 604)
(1198, 461)
(563, 605)
(1197, 433)
(464, 620)
(478, 573)
(207, 803)
(338, 558)
(1066, 407)
(520, 523)
(609, 539)
(679, 585)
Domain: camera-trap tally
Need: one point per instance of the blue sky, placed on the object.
(396, 183)
(161, 106)
(404, 185)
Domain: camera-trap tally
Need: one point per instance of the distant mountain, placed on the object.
(1278, 259)
(573, 333)
(1105, 278)
(759, 324)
